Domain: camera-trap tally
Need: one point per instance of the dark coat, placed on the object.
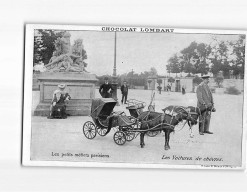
(204, 95)
(58, 110)
(124, 89)
(104, 90)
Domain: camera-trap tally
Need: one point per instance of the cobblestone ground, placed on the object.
(63, 140)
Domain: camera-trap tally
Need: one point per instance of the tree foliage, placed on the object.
(174, 65)
(194, 57)
(202, 58)
(133, 79)
(153, 72)
(239, 52)
(44, 45)
(171, 80)
(220, 55)
(159, 81)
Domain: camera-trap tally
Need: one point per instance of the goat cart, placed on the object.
(105, 120)
(126, 128)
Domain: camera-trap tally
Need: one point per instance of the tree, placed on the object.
(44, 44)
(37, 58)
(202, 51)
(189, 57)
(171, 80)
(219, 79)
(239, 52)
(174, 65)
(194, 58)
(159, 81)
(168, 68)
(153, 72)
(219, 59)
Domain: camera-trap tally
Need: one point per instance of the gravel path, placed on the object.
(63, 139)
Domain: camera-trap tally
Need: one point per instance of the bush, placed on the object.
(232, 90)
(159, 81)
(171, 80)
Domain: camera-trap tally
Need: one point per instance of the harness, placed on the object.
(178, 120)
(186, 121)
(175, 117)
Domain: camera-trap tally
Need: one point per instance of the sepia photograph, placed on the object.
(137, 97)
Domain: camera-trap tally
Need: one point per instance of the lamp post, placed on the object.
(114, 75)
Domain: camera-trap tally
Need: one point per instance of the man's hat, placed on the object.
(61, 86)
(205, 76)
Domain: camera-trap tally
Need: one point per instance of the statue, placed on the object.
(66, 43)
(65, 58)
(78, 49)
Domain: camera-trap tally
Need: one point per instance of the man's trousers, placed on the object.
(204, 121)
(124, 98)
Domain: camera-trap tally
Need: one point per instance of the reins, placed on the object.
(176, 118)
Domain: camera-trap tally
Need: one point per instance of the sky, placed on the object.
(137, 51)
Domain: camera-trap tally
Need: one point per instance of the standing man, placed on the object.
(124, 90)
(204, 100)
(106, 89)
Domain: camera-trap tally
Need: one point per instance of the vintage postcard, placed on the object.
(136, 97)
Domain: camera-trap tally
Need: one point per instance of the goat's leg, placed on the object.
(191, 131)
(142, 140)
(167, 139)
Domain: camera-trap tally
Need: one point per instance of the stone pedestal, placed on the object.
(80, 86)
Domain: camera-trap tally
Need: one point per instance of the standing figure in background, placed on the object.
(124, 90)
(106, 89)
(169, 87)
(159, 89)
(205, 101)
(183, 89)
(58, 105)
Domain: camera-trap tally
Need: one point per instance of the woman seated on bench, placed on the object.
(58, 104)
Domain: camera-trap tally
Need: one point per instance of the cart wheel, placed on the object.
(89, 130)
(101, 132)
(152, 133)
(119, 138)
(129, 136)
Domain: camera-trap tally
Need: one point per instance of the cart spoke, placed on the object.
(102, 131)
(89, 130)
(119, 138)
